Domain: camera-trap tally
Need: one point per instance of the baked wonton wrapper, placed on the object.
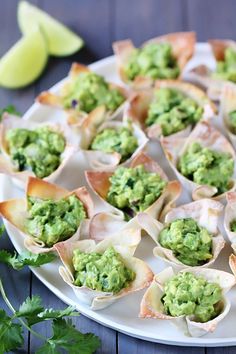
(124, 243)
(230, 215)
(76, 117)
(7, 166)
(207, 136)
(202, 75)
(94, 124)
(205, 212)
(227, 105)
(15, 210)
(99, 182)
(182, 44)
(139, 103)
(152, 307)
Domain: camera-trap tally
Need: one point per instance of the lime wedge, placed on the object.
(25, 61)
(61, 41)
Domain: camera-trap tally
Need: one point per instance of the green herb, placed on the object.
(64, 334)
(9, 109)
(2, 230)
(25, 258)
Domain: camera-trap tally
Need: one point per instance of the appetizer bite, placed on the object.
(189, 236)
(162, 57)
(106, 144)
(224, 52)
(83, 92)
(101, 274)
(193, 299)
(143, 186)
(228, 111)
(203, 162)
(169, 108)
(230, 218)
(34, 149)
(48, 214)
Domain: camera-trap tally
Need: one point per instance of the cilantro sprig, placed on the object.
(64, 335)
(9, 109)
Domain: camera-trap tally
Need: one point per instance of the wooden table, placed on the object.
(100, 22)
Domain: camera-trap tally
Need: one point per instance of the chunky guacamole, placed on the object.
(233, 226)
(104, 272)
(53, 221)
(232, 121)
(134, 189)
(89, 91)
(187, 294)
(206, 166)
(173, 111)
(119, 140)
(155, 60)
(37, 150)
(191, 243)
(226, 69)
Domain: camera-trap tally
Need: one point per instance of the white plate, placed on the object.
(123, 315)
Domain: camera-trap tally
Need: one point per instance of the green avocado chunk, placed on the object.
(53, 221)
(88, 91)
(103, 272)
(134, 189)
(38, 150)
(190, 295)
(191, 243)
(154, 60)
(119, 140)
(173, 110)
(226, 69)
(207, 167)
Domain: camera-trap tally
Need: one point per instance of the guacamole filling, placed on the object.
(52, 221)
(88, 91)
(154, 60)
(232, 121)
(190, 243)
(190, 295)
(119, 140)
(226, 69)
(103, 272)
(173, 111)
(207, 167)
(233, 226)
(134, 189)
(36, 150)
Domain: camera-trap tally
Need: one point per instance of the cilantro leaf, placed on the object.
(49, 314)
(25, 258)
(30, 309)
(10, 334)
(66, 336)
(9, 109)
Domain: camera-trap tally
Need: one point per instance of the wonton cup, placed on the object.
(182, 44)
(140, 102)
(99, 182)
(7, 166)
(205, 212)
(77, 117)
(15, 210)
(94, 124)
(152, 307)
(202, 75)
(230, 215)
(207, 136)
(124, 243)
(227, 105)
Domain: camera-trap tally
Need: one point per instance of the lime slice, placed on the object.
(61, 41)
(25, 61)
